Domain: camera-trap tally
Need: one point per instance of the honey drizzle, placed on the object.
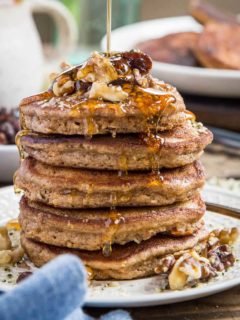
(190, 115)
(16, 189)
(156, 179)
(123, 163)
(90, 123)
(74, 194)
(90, 273)
(13, 224)
(113, 221)
(89, 193)
(18, 137)
(150, 104)
(154, 144)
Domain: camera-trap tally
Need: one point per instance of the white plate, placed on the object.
(203, 81)
(143, 292)
(9, 162)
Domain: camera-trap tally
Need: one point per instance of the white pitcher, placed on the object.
(22, 65)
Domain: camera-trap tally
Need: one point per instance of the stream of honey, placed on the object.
(109, 25)
(114, 220)
(18, 137)
(123, 163)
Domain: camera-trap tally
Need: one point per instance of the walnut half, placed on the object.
(5, 242)
(107, 92)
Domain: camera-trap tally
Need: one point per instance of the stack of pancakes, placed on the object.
(110, 169)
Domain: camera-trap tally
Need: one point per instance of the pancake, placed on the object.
(175, 48)
(79, 188)
(205, 12)
(126, 262)
(93, 229)
(169, 149)
(73, 114)
(218, 46)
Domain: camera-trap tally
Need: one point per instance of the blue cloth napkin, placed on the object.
(55, 292)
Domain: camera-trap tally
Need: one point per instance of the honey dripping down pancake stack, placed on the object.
(110, 172)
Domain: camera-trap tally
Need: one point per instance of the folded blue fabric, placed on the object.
(54, 292)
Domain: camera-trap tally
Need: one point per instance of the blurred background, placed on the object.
(90, 17)
(37, 35)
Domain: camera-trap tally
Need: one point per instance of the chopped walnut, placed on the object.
(8, 254)
(165, 264)
(189, 268)
(186, 229)
(227, 236)
(53, 76)
(107, 92)
(63, 85)
(11, 256)
(131, 67)
(142, 80)
(221, 257)
(97, 68)
(213, 240)
(157, 84)
(177, 279)
(5, 242)
(64, 66)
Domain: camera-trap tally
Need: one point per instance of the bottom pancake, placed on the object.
(183, 261)
(93, 229)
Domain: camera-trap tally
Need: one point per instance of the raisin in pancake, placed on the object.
(169, 149)
(91, 229)
(79, 188)
(218, 46)
(74, 114)
(175, 48)
(125, 262)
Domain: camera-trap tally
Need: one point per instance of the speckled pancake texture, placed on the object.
(169, 149)
(78, 188)
(91, 229)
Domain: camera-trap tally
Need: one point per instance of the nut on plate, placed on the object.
(8, 253)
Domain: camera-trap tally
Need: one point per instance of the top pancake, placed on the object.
(117, 96)
(73, 114)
